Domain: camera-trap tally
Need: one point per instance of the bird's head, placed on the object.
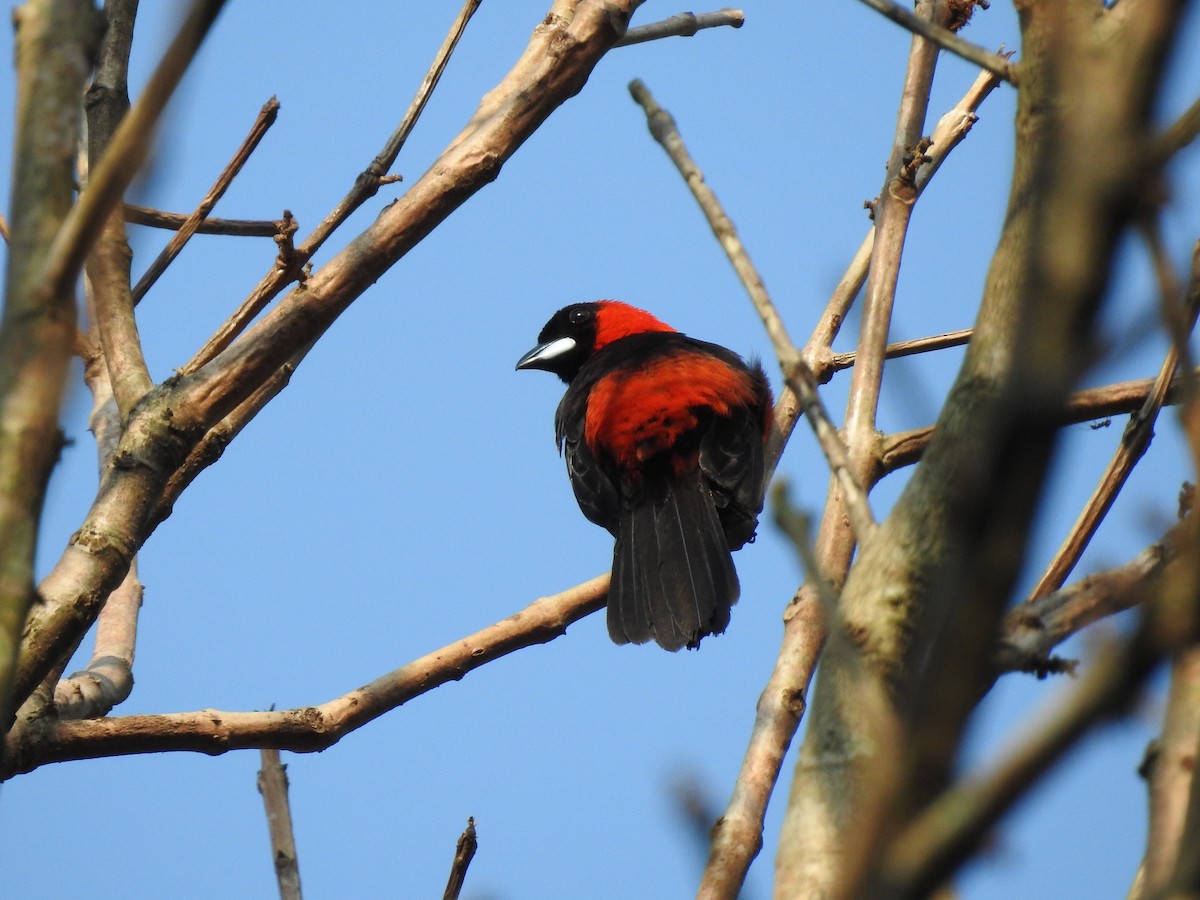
(577, 331)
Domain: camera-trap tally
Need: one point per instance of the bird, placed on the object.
(664, 439)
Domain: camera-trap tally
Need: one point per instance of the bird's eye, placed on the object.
(579, 315)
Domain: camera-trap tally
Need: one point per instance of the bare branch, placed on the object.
(56, 41)
(1033, 629)
(951, 828)
(795, 370)
(1181, 133)
(683, 25)
(263, 122)
(365, 187)
(273, 785)
(174, 418)
(154, 218)
(1140, 430)
(309, 728)
(912, 347)
(946, 39)
(126, 152)
(464, 852)
(904, 448)
(1170, 773)
(951, 129)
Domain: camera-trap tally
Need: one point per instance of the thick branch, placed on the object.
(56, 40)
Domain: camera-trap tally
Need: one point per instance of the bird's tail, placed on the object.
(673, 578)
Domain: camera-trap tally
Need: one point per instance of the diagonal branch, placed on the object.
(365, 187)
(946, 39)
(264, 120)
(309, 728)
(126, 152)
(795, 370)
(1138, 433)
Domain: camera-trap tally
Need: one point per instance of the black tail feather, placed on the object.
(673, 578)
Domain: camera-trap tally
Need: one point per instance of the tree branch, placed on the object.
(126, 152)
(309, 728)
(167, 426)
(684, 24)
(263, 122)
(946, 39)
(273, 786)
(155, 218)
(904, 448)
(464, 852)
(56, 41)
(365, 187)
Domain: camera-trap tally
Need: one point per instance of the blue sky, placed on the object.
(404, 490)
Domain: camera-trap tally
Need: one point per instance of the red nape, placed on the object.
(615, 320)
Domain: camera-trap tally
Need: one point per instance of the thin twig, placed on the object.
(263, 122)
(683, 25)
(912, 347)
(464, 852)
(951, 129)
(126, 153)
(946, 39)
(365, 187)
(155, 218)
(273, 785)
(1181, 133)
(1138, 433)
(1032, 630)
(904, 448)
(795, 370)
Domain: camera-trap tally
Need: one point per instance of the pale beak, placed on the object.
(543, 355)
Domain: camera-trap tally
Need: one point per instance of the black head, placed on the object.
(566, 341)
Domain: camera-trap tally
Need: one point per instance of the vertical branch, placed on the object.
(826, 792)
(273, 785)
(1170, 772)
(56, 40)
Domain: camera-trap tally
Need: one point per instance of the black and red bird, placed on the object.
(663, 436)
